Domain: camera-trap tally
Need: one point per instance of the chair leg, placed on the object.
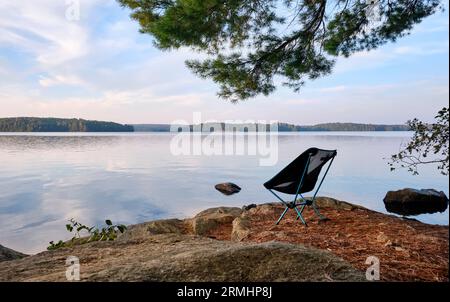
(282, 215)
(316, 210)
(300, 216)
(301, 211)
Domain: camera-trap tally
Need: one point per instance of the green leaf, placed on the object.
(108, 222)
(121, 228)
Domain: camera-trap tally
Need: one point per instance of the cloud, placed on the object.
(365, 89)
(363, 60)
(339, 88)
(423, 50)
(46, 81)
(41, 29)
(381, 103)
(382, 57)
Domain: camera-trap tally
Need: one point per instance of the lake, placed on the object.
(47, 178)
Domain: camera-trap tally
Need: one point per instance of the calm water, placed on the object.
(46, 179)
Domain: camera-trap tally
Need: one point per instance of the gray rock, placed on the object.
(414, 202)
(144, 230)
(7, 254)
(208, 220)
(327, 202)
(249, 207)
(228, 188)
(241, 228)
(184, 258)
(321, 202)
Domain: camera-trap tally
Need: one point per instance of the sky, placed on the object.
(98, 66)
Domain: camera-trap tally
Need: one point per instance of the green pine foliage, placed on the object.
(250, 45)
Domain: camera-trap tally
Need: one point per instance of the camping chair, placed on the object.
(299, 177)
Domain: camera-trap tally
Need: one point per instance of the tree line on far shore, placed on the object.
(32, 124)
(282, 127)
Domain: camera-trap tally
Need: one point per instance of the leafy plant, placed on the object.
(85, 234)
(429, 145)
(54, 246)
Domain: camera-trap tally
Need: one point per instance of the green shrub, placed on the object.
(85, 234)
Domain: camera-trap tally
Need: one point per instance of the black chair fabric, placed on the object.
(288, 179)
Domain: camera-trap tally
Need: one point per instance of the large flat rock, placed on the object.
(174, 257)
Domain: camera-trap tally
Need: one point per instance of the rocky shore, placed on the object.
(233, 244)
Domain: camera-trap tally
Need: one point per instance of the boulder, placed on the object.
(414, 202)
(208, 220)
(7, 254)
(327, 202)
(145, 230)
(241, 228)
(249, 207)
(228, 188)
(321, 202)
(184, 258)
(263, 209)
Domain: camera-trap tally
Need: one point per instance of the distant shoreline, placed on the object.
(57, 125)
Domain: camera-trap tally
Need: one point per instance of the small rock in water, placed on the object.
(228, 188)
(414, 202)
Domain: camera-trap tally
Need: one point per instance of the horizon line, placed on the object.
(206, 122)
